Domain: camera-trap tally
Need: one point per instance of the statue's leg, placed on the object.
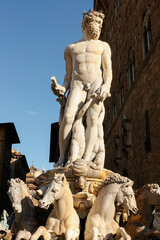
(74, 103)
(78, 140)
(121, 234)
(41, 231)
(98, 153)
(92, 128)
(23, 234)
(74, 150)
(95, 232)
(71, 234)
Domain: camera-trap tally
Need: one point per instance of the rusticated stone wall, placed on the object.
(132, 121)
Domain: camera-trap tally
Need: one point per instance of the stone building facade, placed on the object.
(132, 120)
(8, 136)
(18, 165)
(12, 163)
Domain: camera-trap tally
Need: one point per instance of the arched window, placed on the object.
(114, 109)
(147, 138)
(116, 7)
(109, 126)
(110, 31)
(125, 172)
(146, 34)
(108, 121)
(114, 112)
(121, 96)
(132, 71)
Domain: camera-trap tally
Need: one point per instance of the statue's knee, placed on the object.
(69, 118)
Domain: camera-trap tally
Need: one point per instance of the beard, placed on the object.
(93, 31)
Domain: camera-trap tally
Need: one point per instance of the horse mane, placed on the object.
(149, 186)
(114, 178)
(60, 178)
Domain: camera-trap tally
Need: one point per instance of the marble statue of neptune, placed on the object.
(88, 75)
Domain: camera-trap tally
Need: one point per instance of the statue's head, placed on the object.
(92, 21)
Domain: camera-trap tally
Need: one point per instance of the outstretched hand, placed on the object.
(57, 89)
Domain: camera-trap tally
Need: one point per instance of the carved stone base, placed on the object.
(83, 187)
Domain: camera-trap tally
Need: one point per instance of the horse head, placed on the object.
(126, 198)
(16, 192)
(54, 192)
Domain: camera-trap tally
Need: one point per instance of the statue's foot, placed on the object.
(68, 163)
(59, 164)
(80, 167)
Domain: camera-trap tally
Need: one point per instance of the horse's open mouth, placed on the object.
(43, 204)
(44, 207)
(47, 206)
(134, 211)
(18, 210)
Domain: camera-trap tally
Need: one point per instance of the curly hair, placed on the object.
(90, 15)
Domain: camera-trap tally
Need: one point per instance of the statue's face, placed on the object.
(94, 27)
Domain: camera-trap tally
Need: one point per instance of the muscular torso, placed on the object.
(86, 61)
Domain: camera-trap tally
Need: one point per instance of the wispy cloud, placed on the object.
(30, 112)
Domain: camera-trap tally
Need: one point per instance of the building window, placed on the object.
(131, 72)
(114, 112)
(109, 126)
(147, 138)
(116, 7)
(121, 96)
(125, 172)
(147, 36)
(110, 32)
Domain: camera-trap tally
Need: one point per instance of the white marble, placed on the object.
(117, 191)
(63, 218)
(88, 78)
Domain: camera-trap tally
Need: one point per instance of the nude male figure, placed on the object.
(88, 72)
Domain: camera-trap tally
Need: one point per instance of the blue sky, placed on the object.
(33, 36)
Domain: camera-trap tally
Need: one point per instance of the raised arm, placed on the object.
(67, 77)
